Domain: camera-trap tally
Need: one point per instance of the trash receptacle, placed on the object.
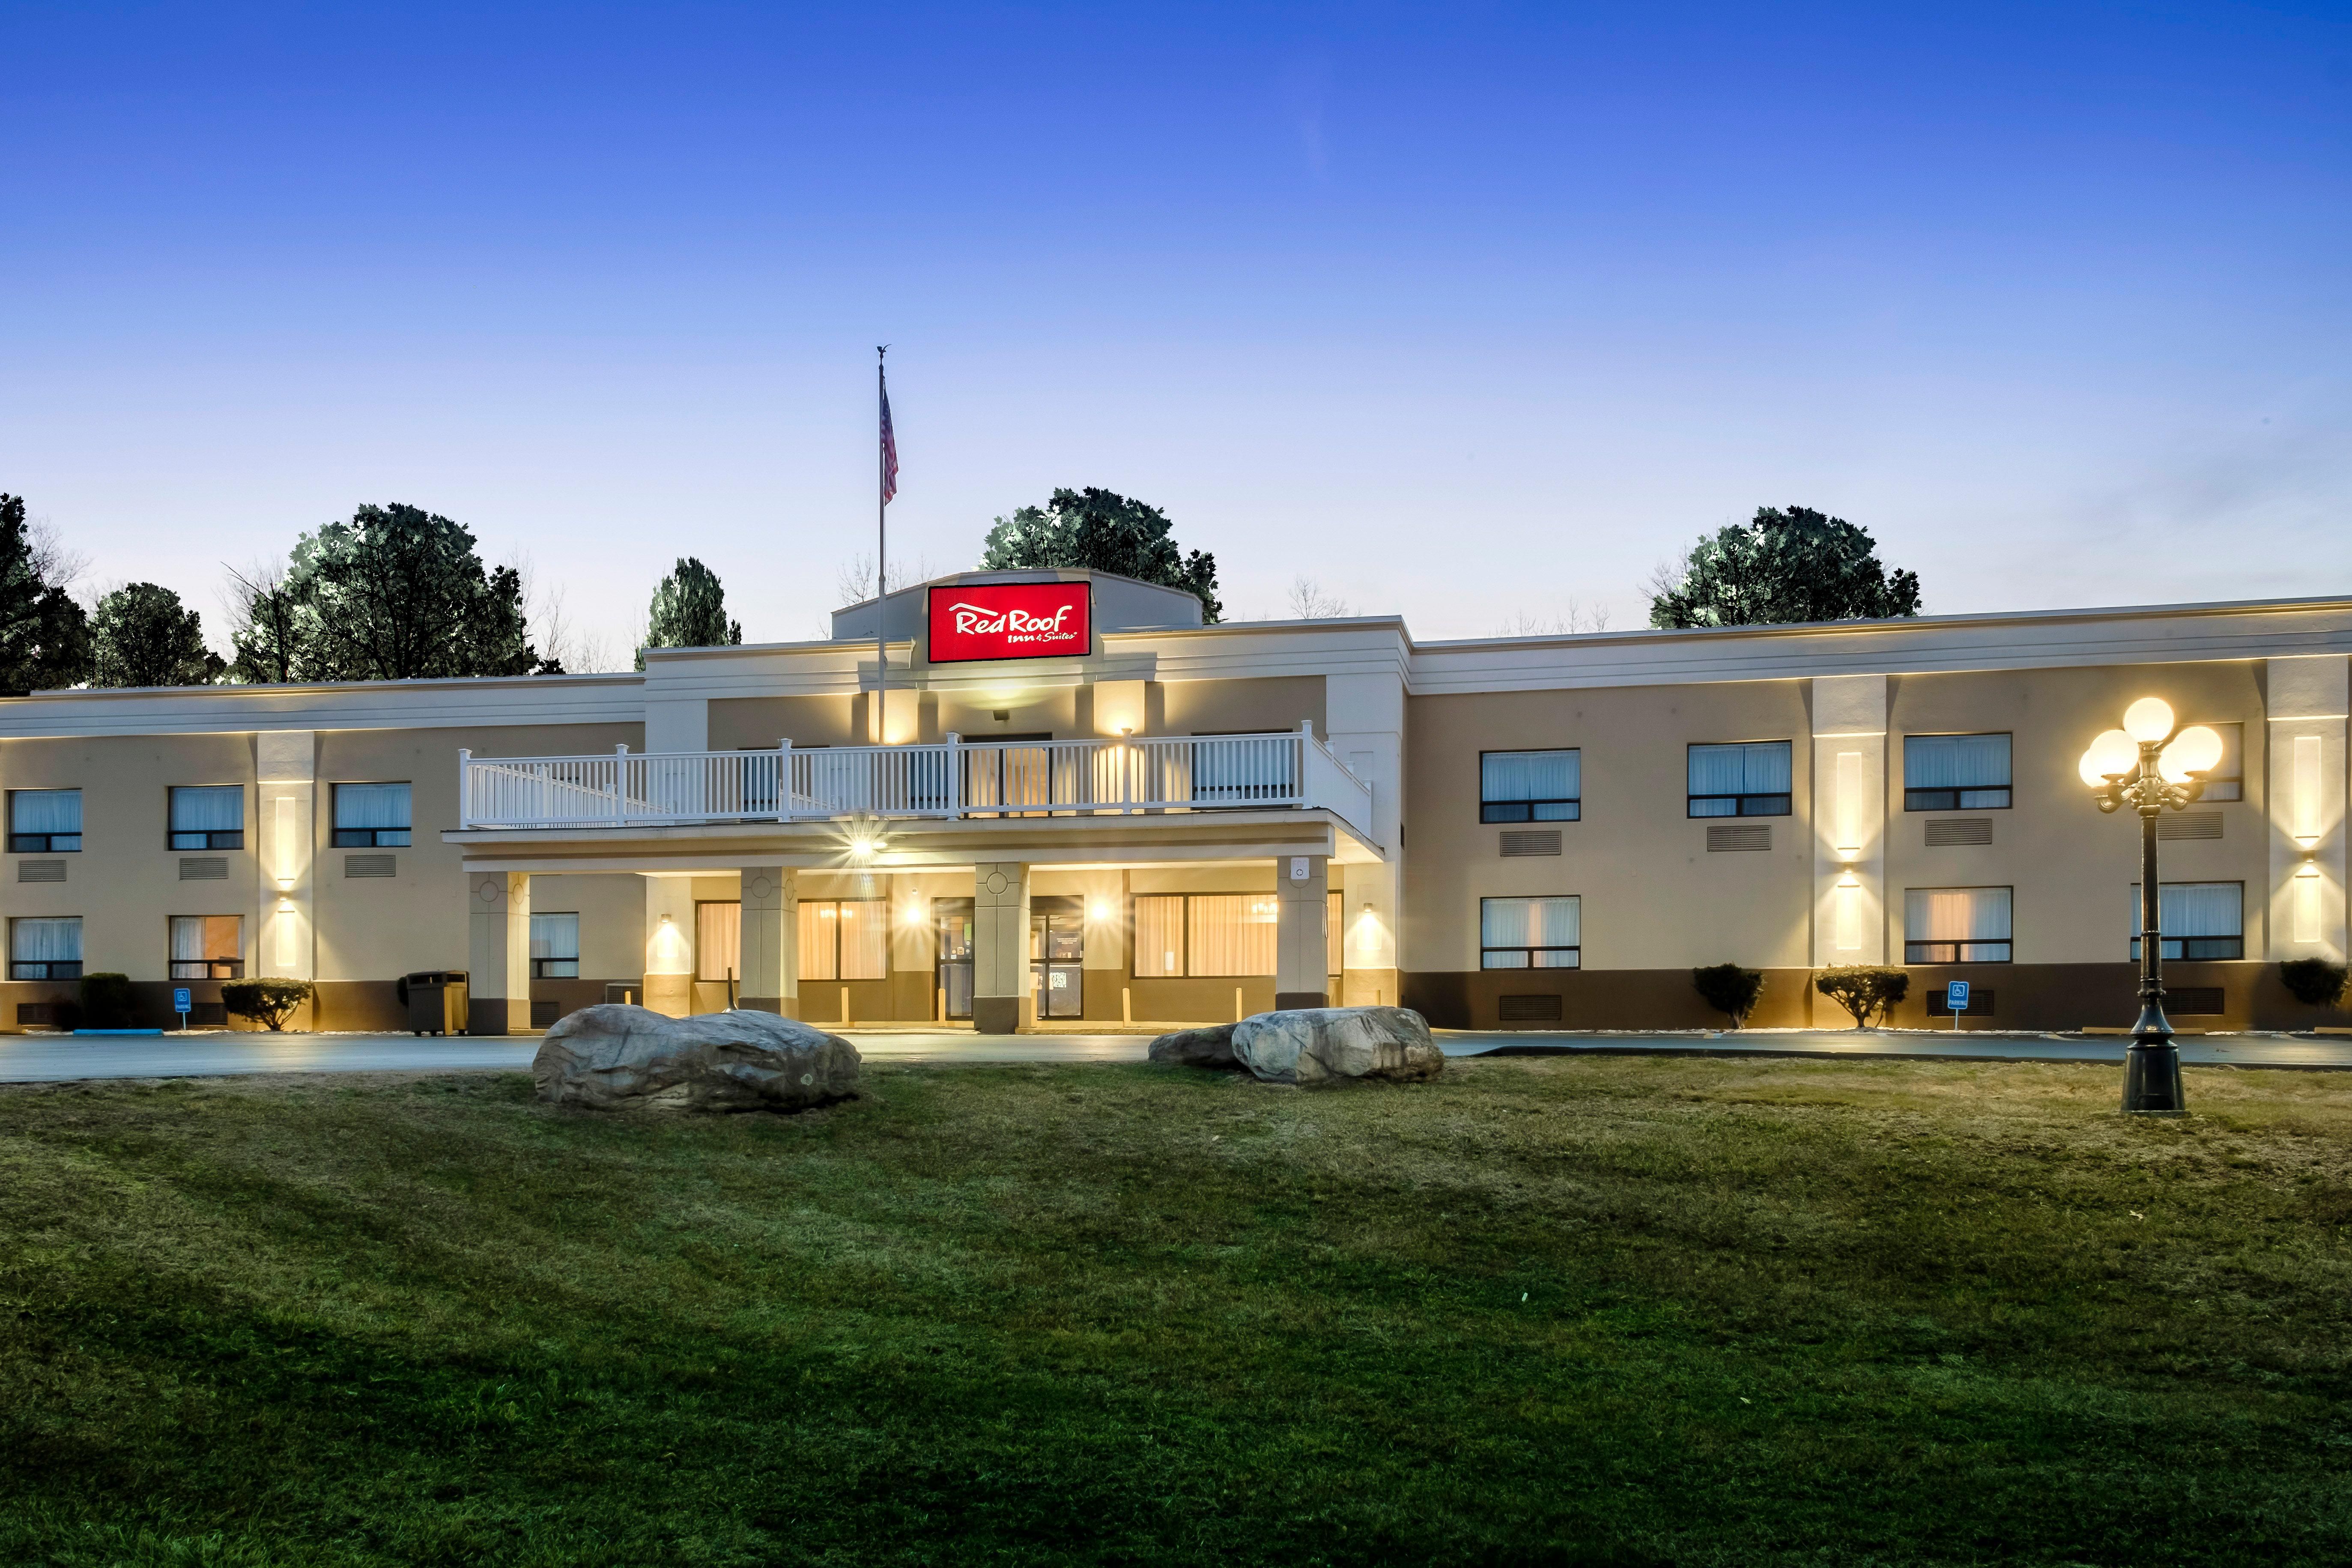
(436, 1000)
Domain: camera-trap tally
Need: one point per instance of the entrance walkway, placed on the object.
(49, 1058)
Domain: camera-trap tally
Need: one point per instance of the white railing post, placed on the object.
(465, 787)
(955, 773)
(620, 784)
(784, 779)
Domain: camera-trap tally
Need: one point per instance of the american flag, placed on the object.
(889, 450)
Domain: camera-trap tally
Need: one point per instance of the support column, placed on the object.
(771, 940)
(498, 982)
(1302, 931)
(1849, 821)
(2304, 793)
(1002, 996)
(669, 946)
(284, 936)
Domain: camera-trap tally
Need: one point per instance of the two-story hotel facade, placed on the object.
(1130, 816)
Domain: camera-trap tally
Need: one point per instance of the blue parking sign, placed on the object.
(181, 1001)
(1955, 996)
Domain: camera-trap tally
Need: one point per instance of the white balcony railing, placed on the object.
(951, 779)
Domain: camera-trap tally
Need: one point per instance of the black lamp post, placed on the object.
(2149, 767)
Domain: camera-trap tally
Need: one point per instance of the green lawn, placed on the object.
(1633, 1310)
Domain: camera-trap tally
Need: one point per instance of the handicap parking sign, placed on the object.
(1955, 996)
(181, 1001)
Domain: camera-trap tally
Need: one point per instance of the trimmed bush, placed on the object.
(107, 1002)
(1730, 989)
(269, 1003)
(2313, 980)
(1864, 991)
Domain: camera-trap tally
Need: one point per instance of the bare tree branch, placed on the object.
(1308, 602)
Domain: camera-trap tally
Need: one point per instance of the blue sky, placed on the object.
(1468, 312)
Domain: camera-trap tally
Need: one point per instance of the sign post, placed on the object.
(1956, 997)
(180, 1005)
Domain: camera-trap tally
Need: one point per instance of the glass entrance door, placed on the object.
(1058, 949)
(954, 916)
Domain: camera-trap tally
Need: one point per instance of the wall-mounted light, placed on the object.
(285, 905)
(1101, 908)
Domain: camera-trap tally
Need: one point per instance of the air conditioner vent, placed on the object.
(1528, 1009)
(40, 870)
(2194, 1001)
(371, 865)
(2188, 825)
(1747, 835)
(204, 869)
(1945, 831)
(1530, 841)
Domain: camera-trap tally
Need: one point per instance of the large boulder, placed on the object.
(1209, 1048)
(612, 1057)
(1320, 1045)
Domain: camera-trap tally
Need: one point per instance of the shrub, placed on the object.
(107, 1002)
(269, 1003)
(1730, 989)
(2313, 980)
(1864, 991)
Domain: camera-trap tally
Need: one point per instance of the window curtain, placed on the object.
(370, 805)
(718, 940)
(1718, 770)
(1767, 767)
(557, 937)
(1230, 933)
(197, 939)
(1530, 775)
(208, 809)
(1158, 936)
(46, 940)
(1956, 762)
(46, 811)
(1530, 922)
(818, 920)
(2195, 908)
(1956, 914)
(864, 938)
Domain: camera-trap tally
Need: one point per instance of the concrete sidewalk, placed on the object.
(49, 1058)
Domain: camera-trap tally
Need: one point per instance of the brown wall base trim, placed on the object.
(2029, 996)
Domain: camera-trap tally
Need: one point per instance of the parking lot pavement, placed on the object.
(41, 1058)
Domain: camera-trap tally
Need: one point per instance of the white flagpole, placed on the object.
(881, 540)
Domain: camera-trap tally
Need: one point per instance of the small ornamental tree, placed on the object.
(2315, 982)
(1730, 989)
(269, 1003)
(1864, 991)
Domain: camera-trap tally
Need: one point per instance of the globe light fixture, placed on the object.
(2148, 719)
(2112, 755)
(2147, 766)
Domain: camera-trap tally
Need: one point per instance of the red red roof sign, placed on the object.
(1011, 620)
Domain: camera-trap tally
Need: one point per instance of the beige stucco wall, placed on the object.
(2071, 867)
(375, 928)
(1653, 895)
(125, 883)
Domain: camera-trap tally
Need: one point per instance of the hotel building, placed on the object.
(1066, 799)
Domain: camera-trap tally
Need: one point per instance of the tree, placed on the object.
(1784, 567)
(142, 637)
(44, 635)
(1729, 990)
(1863, 990)
(1308, 602)
(689, 610)
(396, 594)
(1102, 532)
